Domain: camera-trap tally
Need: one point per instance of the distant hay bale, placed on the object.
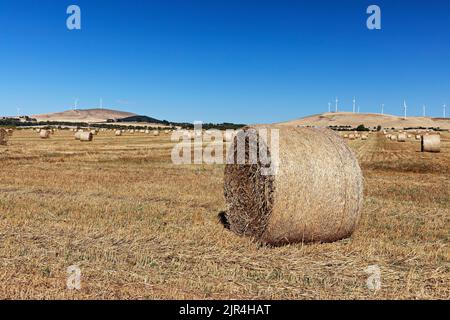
(78, 135)
(315, 196)
(352, 136)
(431, 143)
(401, 137)
(364, 137)
(418, 137)
(346, 136)
(3, 137)
(156, 133)
(166, 131)
(393, 137)
(44, 134)
(94, 132)
(147, 131)
(409, 136)
(118, 133)
(86, 136)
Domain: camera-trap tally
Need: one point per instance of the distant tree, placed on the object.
(361, 127)
(379, 128)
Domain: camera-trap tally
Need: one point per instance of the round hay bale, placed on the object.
(44, 134)
(315, 196)
(118, 133)
(393, 137)
(364, 137)
(345, 136)
(156, 133)
(147, 131)
(78, 135)
(401, 137)
(418, 137)
(3, 137)
(352, 136)
(431, 143)
(86, 136)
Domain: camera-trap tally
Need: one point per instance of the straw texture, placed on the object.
(316, 195)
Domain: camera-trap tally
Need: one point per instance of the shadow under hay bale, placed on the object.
(315, 196)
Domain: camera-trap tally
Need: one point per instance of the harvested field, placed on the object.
(140, 227)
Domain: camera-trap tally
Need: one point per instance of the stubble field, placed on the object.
(140, 227)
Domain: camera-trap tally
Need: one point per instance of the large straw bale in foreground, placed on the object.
(315, 196)
(431, 143)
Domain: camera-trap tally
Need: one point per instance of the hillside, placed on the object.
(88, 115)
(369, 120)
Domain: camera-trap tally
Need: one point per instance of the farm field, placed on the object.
(140, 227)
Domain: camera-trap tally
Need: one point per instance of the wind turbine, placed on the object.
(337, 101)
(424, 109)
(382, 109)
(405, 107)
(76, 104)
(354, 104)
(101, 103)
(444, 107)
(358, 108)
(329, 107)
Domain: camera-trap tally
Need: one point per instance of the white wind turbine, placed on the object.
(444, 111)
(354, 104)
(405, 107)
(337, 101)
(424, 110)
(382, 109)
(329, 107)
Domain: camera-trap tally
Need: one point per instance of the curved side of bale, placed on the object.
(77, 135)
(316, 195)
(430, 143)
(393, 137)
(118, 133)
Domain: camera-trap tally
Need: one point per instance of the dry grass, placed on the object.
(140, 227)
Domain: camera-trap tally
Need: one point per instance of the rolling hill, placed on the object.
(368, 120)
(87, 115)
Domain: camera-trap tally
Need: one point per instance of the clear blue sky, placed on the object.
(241, 61)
